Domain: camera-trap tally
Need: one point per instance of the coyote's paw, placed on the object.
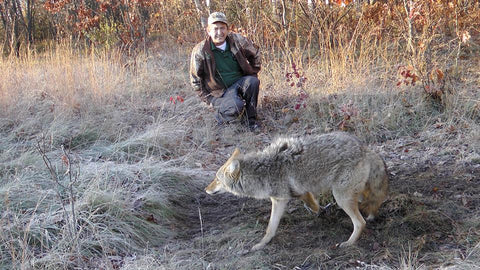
(344, 244)
(257, 247)
(243, 252)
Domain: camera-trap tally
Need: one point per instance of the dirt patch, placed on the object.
(429, 219)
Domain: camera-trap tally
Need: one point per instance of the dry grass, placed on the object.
(141, 163)
(126, 144)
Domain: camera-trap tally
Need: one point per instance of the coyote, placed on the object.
(303, 168)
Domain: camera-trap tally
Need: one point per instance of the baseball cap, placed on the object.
(217, 17)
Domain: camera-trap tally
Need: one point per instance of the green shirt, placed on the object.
(227, 65)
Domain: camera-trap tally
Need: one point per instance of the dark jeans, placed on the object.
(239, 101)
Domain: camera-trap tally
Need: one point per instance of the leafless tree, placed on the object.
(15, 25)
(203, 9)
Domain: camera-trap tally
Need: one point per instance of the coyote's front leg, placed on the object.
(278, 207)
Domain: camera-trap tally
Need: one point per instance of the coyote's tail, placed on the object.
(287, 146)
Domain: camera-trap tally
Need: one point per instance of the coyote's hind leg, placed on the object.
(349, 204)
(310, 202)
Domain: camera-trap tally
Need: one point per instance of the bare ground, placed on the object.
(429, 221)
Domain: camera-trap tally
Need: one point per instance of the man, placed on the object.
(223, 70)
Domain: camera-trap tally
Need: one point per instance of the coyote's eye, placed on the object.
(219, 175)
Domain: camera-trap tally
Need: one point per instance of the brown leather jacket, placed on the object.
(202, 64)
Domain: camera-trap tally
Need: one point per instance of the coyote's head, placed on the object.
(226, 175)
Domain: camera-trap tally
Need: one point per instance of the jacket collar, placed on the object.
(213, 47)
(209, 46)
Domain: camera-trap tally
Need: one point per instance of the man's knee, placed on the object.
(253, 81)
(250, 87)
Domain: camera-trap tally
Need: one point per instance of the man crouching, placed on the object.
(223, 70)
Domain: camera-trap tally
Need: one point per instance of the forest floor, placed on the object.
(430, 220)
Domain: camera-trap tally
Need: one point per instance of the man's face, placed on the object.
(218, 31)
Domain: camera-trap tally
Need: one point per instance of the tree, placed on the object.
(14, 24)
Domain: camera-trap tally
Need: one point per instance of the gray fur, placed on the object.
(315, 163)
(291, 167)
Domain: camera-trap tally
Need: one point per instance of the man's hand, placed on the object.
(211, 101)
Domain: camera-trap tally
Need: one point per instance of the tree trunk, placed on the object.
(202, 11)
(30, 20)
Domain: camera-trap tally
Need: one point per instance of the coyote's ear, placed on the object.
(234, 155)
(236, 152)
(233, 169)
